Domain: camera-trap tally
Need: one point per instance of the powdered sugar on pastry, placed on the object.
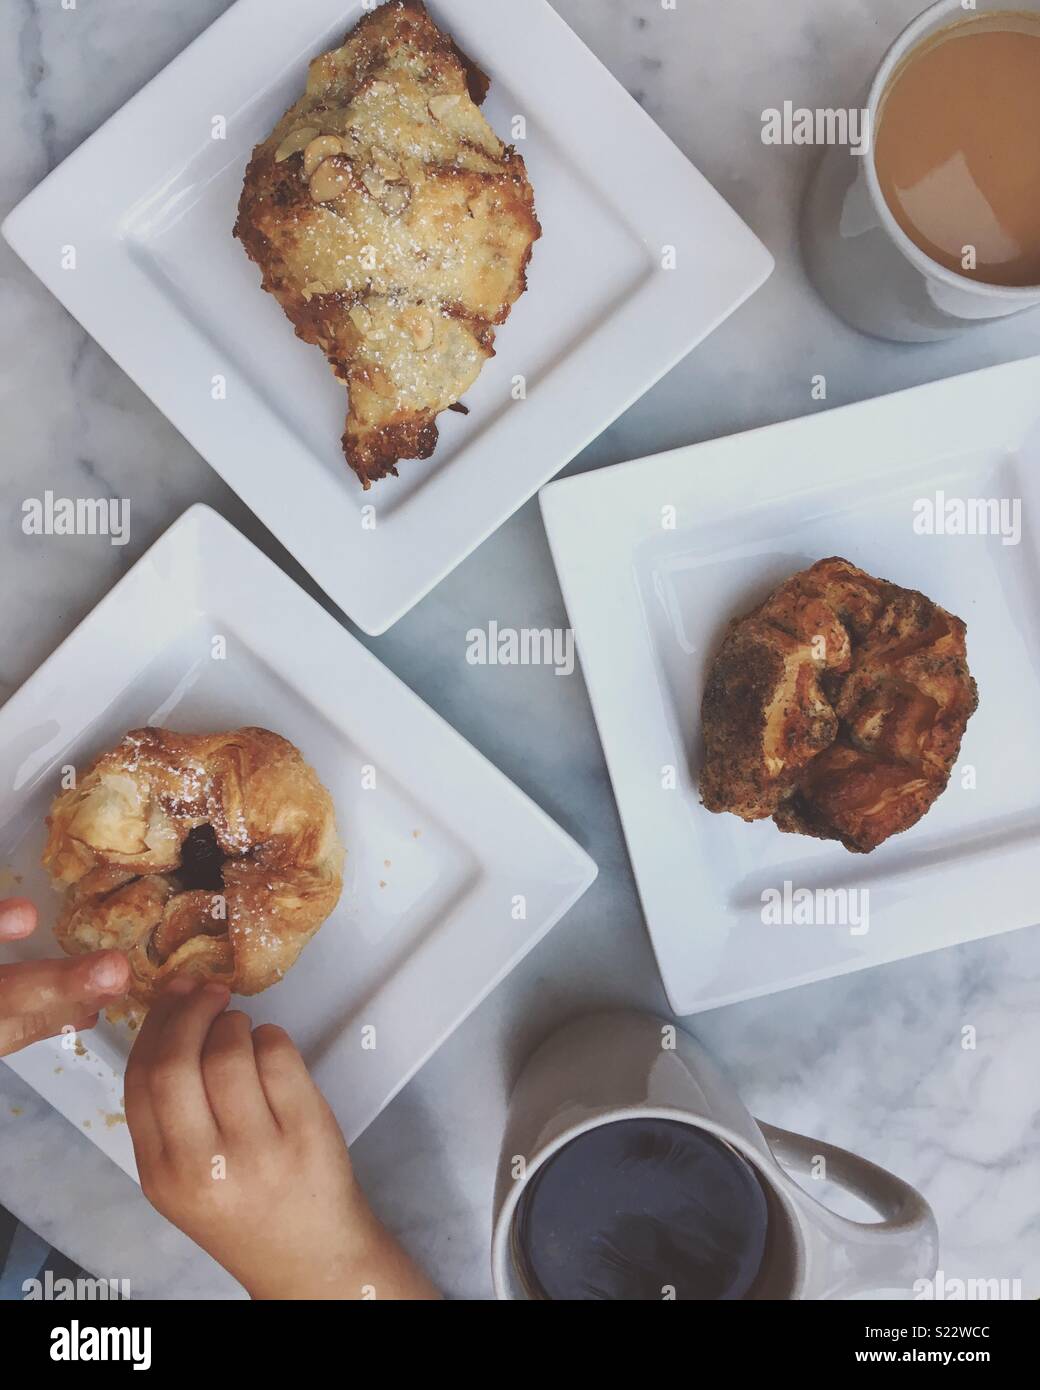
(212, 855)
(393, 226)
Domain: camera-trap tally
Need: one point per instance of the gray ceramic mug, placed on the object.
(622, 1066)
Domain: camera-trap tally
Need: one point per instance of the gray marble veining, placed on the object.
(873, 1061)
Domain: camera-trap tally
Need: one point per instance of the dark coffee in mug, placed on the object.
(642, 1209)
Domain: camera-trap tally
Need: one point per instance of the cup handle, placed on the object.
(844, 1257)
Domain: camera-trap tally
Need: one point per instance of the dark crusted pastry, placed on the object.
(394, 228)
(837, 707)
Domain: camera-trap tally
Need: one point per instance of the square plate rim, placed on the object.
(619, 531)
(681, 321)
(223, 544)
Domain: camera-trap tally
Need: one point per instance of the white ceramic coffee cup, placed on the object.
(622, 1066)
(857, 255)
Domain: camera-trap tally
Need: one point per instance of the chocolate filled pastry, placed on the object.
(837, 707)
(212, 855)
(393, 227)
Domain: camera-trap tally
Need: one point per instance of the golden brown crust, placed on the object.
(212, 855)
(393, 226)
(837, 707)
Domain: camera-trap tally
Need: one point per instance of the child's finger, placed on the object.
(137, 1101)
(232, 1082)
(17, 919)
(150, 1034)
(40, 986)
(174, 1071)
(140, 1112)
(140, 1118)
(284, 1076)
(25, 1029)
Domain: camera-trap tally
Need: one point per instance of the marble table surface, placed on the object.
(872, 1061)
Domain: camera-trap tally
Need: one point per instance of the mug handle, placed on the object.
(844, 1257)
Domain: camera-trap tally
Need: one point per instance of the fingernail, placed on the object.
(109, 973)
(17, 919)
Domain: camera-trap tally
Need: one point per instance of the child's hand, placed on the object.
(238, 1147)
(41, 997)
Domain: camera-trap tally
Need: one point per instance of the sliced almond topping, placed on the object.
(365, 324)
(375, 183)
(380, 89)
(420, 328)
(442, 104)
(321, 148)
(331, 179)
(315, 287)
(294, 142)
(386, 164)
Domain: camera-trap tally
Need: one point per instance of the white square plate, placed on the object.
(650, 605)
(439, 851)
(148, 204)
